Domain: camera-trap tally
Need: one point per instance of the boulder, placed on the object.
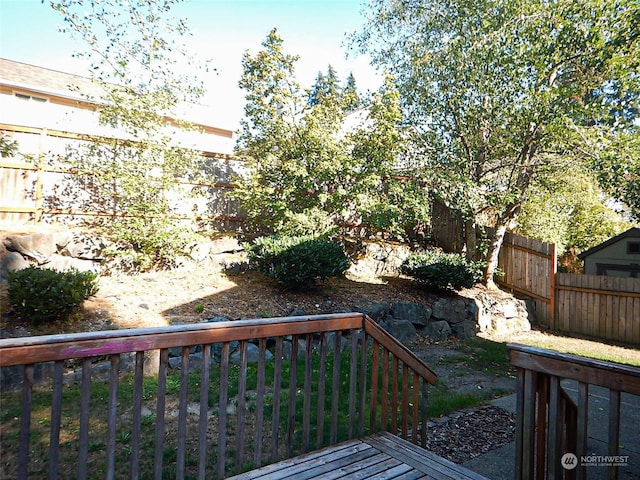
(10, 262)
(402, 330)
(297, 312)
(374, 310)
(331, 342)
(416, 313)
(466, 329)
(253, 355)
(453, 310)
(86, 248)
(63, 263)
(39, 246)
(380, 258)
(216, 350)
(502, 317)
(438, 330)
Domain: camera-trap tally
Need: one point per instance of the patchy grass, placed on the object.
(589, 348)
(485, 356)
(442, 401)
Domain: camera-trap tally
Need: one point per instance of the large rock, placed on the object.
(39, 246)
(453, 310)
(63, 263)
(380, 259)
(86, 248)
(502, 316)
(416, 313)
(253, 355)
(12, 261)
(374, 310)
(466, 329)
(438, 330)
(403, 330)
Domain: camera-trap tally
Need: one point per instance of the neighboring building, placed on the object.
(617, 257)
(46, 111)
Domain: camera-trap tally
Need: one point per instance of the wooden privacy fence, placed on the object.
(38, 186)
(598, 306)
(330, 378)
(529, 267)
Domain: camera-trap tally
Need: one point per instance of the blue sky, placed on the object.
(222, 31)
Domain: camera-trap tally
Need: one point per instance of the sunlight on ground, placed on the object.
(142, 300)
(574, 346)
(366, 279)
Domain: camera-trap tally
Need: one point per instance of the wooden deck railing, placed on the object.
(549, 423)
(220, 418)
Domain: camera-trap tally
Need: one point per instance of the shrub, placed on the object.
(142, 246)
(298, 262)
(443, 271)
(41, 294)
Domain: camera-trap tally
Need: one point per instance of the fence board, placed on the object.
(44, 188)
(529, 267)
(599, 306)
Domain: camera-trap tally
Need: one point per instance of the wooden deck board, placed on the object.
(381, 456)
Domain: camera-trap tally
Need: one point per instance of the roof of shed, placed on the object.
(632, 232)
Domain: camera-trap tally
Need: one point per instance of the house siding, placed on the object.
(614, 259)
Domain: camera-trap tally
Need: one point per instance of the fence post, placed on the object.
(39, 195)
(552, 287)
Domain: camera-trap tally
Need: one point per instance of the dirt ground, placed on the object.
(192, 294)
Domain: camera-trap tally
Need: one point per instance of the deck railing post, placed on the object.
(550, 424)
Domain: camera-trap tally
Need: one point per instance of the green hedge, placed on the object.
(298, 262)
(443, 271)
(39, 295)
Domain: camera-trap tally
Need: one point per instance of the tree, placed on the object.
(615, 159)
(568, 211)
(326, 88)
(502, 93)
(308, 172)
(350, 94)
(136, 60)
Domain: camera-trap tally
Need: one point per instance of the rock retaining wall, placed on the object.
(84, 252)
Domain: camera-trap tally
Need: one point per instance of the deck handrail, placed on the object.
(392, 389)
(549, 423)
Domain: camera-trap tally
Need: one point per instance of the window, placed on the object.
(24, 96)
(633, 248)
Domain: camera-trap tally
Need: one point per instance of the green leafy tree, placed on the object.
(8, 147)
(502, 93)
(569, 212)
(350, 95)
(615, 159)
(307, 172)
(136, 61)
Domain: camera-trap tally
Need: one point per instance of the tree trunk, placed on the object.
(503, 222)
(492, 255)
(470, 239)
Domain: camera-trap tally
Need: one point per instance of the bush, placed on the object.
(142, 246)
(41, 294)
(443, 271)
(298, 262)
